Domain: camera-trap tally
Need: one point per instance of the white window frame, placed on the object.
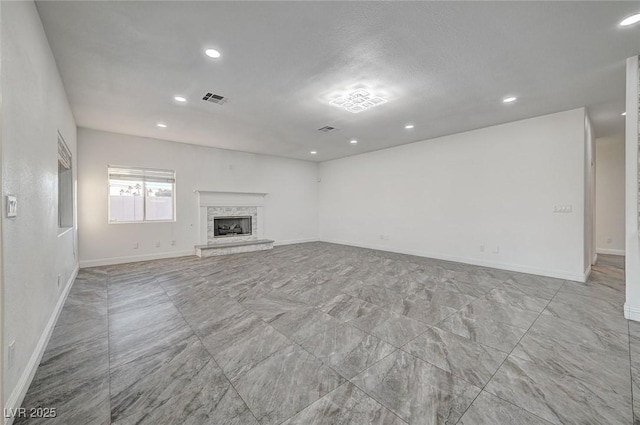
(144, 174)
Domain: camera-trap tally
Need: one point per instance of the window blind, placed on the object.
(142, 174)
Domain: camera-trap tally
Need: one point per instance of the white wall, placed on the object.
(291, 206)
(610, 195)
(35, 109)
(445, 198)
(632, 243)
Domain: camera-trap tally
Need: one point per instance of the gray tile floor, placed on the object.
(333, 335)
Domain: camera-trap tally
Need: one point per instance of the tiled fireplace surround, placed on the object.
(231, 204)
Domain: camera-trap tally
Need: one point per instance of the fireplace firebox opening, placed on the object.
(231, 226)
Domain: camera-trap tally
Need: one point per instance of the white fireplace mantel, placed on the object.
(216, 198)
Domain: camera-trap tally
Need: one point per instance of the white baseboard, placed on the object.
(559, 274)
(631, 313)
(134, 258)
(294, 241)
(610, 251)
(17, 395)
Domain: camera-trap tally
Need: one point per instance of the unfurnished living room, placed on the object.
(320, 212)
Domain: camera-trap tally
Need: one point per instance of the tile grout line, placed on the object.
(505, 359)
(207, 350)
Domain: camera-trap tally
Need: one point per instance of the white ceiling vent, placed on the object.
(326, 129)
(214, 98)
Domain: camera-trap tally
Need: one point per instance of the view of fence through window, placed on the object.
(141, 195)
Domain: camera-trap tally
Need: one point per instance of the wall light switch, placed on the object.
(12, 206)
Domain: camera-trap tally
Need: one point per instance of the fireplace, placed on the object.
(231, 226)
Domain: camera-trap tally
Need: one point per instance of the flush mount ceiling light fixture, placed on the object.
(358, 101)
(509, 99)
(630, 20)
(408, 126)
(212, 53)
(180, 99)
(313, 152)
(161, 125)
(353, 142)
(624, 114)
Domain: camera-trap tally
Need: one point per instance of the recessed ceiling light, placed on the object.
(509, 99)
(630, 20)
(624, 114)
(358, 101)
(353, 142)
(180, 99)
(161, 125)
(212, 53)
(408, 126)
(313, 152)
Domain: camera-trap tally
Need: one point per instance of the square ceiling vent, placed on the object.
(214, 98)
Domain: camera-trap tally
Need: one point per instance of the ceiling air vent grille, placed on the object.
(326, 129)
(214, 98)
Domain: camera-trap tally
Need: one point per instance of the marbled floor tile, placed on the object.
(586, 315)
(393, 328)
(515, 298)
(77, 332)
(141, 386)
(346, 405)
(85, 304)
(321, 293)
(557, 397)
(634, 328)
(499, 312)
(132, 320)
(345, 307)
(273, 305)
(347, 350)
(285, 383)
(586, 336)
(488, 409)
(594, 290)
(446, 295)
(537, 286)
(204, 313)
(601, 368)
(374, 294)
(421, 309)
(241, 340)
(528, 287)
(474, 362)
(498, 335)
(303, 323)
(138, 296)
(418, 392)
(598, 303)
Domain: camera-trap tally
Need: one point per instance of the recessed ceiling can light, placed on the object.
(180, 99)
(408, 126)
(630, 20)
(313, 152)
(509, 99)
(161, 125)
(212, 53)
(358, 101)
(624, 114)
(353, 142)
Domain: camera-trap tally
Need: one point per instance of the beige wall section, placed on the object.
(35, 255)
(610, 195)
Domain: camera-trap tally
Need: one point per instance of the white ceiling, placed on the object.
(443, 66)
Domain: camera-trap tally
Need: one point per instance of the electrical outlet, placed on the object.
(497, 250)
(136, 245)
(12, 354)
(173, 243)
(157, 244)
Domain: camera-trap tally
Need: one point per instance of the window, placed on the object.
(65, 186)
(141, 195)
